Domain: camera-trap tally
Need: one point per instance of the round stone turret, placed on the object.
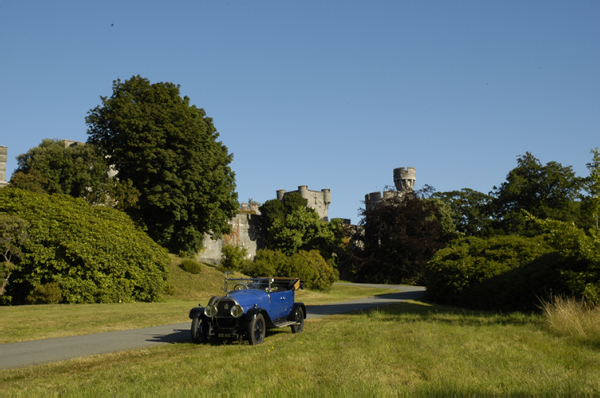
(326, 196)
(280, 194)
(404, 179)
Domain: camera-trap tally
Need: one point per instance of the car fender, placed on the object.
(294, 308)
(253, 312)
(196, 312)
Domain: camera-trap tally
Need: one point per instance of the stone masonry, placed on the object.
(404, 180)
(317, 200)
(3, 160)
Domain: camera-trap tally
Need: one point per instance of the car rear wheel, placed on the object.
(299, 318)
(198, 331)
(256, 330)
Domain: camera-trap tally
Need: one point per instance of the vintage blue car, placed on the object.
(249, 308)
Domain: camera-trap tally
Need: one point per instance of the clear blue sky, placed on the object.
(329, 94)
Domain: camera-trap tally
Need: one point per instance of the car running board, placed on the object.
(284, 324)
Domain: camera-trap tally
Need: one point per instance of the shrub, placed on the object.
(233, 258)
(191, 266)
(266, 263)
(94, 254)
(49, 293)
(312, 268)
(457, 273)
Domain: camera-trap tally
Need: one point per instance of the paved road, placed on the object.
(27, 353)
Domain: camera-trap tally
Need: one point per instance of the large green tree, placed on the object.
(290, 225)
(168, 148)
(591, 185)
(469, 210)
(545, 191)
(399, 236)
(55, 166)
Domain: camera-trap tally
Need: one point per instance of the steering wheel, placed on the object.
(239, 286)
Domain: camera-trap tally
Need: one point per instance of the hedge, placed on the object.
(93, 254)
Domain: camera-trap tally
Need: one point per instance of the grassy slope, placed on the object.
(31, 322)
(405, 348)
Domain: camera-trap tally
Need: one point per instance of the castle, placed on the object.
(3, 160)
(404, 180)
(245, 227)
(317, 200)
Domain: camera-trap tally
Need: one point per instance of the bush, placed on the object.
(191, 266)
(233, 258)
(475, 272)
(310, 267)
(266, 263)
(49, 293)
(94, 254)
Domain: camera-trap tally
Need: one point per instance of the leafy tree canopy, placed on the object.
(399, 236)
(545, 191)
(469, 210)
(591, 184)
(169, 150)
(57, 167)
(290, 225)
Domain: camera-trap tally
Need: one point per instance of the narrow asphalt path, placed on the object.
(13, 355)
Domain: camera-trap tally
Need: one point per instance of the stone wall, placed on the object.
(317, 200)
(244, 233)
(404, 180)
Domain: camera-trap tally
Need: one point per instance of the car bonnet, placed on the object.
(248, 298)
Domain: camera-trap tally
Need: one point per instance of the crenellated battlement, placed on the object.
(404, 180)
(317, 200)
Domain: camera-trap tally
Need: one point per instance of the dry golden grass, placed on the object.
(573, 318)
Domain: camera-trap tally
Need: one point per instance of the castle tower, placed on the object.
(319, 201)
(404, 179)
(3, 160)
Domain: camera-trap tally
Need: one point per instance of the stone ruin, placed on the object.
(404, 180)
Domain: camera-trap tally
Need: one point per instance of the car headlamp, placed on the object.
(236, 311)
(210, 311)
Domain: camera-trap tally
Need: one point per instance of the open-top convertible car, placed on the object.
(250, 306)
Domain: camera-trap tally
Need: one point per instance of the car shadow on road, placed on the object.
(177, 336)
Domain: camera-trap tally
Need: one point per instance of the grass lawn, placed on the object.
(410, 347)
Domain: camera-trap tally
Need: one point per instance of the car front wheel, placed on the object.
(256, 330)
(198, 332)
(299, 319)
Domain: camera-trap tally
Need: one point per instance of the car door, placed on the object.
(281, 303)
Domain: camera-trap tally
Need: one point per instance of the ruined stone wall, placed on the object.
(244, 233)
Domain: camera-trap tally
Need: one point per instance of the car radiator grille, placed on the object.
(224, 318)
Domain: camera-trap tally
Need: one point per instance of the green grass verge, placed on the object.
(404, 348)
(33, 322)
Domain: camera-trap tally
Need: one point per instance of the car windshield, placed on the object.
(247, 283)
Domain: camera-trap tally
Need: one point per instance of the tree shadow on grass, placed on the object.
(421, 310)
